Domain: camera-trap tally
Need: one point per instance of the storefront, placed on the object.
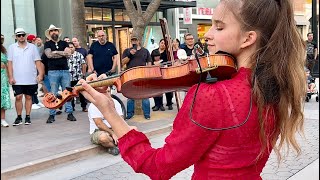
(110, 16)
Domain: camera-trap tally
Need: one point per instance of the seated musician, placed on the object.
(101, 132)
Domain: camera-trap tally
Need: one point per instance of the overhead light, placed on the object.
(116, 26)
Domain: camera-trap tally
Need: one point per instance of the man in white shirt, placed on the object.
(101, 131)
(23, 63)
(153, 45)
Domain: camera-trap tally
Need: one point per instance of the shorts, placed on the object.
(95, 136)
(25, 89)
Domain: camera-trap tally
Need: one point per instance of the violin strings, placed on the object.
(194, 99)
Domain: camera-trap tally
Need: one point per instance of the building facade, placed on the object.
(17, 14)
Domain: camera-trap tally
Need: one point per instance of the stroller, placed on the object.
(312, 89)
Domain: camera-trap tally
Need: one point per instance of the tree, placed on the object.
(140, 19)
(78, 21)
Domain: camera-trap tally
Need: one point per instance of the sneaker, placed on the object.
(58, 112)
(156, 108)
(147, 117)
(51, 119)
(40, 105)
(27, 121)
(84, 110)
(71, 117)
(170, 107)
(113, 150)
(162, 108)
(35, 106)
(4, 123)
(17, 122)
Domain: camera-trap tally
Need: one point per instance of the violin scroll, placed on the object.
(53, 102)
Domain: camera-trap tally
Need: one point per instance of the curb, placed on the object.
(58, 159)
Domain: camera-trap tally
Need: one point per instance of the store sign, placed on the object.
(207, 4)
(205, 11)
(187, 15)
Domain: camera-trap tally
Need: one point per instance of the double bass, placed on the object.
(149, 81)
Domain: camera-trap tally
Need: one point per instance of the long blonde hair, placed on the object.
(279, 81)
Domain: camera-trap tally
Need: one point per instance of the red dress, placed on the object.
(229, 154)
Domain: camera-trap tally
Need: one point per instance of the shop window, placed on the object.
(88, 13)
(97, 14)
(106, 14)
(118, 15)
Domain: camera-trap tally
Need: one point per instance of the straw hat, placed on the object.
(19, 31)
(52, 27)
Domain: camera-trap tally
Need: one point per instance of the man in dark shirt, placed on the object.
(312, 52)
(137, 56)
(189, 44)
(57, 52)
(79, 49)
(101, 57)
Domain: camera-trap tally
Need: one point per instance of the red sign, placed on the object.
(205, 11)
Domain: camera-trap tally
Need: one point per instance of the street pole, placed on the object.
(314, 21)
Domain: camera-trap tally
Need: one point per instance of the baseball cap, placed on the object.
(134, 37)
(31, 37)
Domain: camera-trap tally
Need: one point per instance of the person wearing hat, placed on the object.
(57, 52)
(132, 57)
(101, 56)
(153, 45)
(31, 38)
(23, 63)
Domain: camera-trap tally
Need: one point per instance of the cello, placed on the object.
(148, 81)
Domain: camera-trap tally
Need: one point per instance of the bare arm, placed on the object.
(90, 63)
(10, 73)
(40, 68)
(52, 54)
(57, 54)
(83, 68)
(114, 65)
(102, 126)
(315, 53)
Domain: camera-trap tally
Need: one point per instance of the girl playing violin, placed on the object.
(228, 129)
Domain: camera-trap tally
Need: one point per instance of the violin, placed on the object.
(149, 81)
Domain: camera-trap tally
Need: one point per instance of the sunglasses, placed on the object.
(19, 35)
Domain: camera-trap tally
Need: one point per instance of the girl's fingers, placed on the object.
(92, 77)
(89, 92)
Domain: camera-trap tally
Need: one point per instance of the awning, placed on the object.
(118, 4)
(301, 20)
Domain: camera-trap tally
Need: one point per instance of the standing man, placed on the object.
(79, 49)
(189, 44)
(132, 57)
(77, 68)
(101, 56)
(23, 63)
(312, 52)
(57, 52)
(84, 53)
(153, 45)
